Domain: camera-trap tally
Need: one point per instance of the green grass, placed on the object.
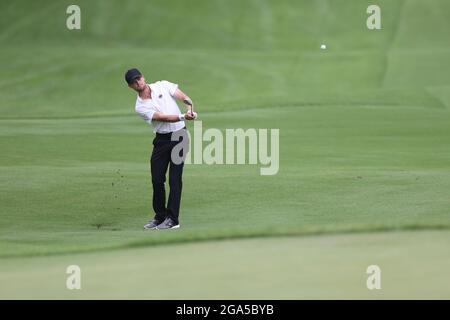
(324, 267)
(364, 133)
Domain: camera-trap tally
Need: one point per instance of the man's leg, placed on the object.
(159, 162)
(175, 180)
(176, 184)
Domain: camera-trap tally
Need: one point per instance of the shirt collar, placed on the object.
(152, 88)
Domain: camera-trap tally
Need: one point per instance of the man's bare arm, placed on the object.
(180, 95)
(158, 116)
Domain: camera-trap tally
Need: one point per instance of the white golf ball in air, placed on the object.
(323, 47)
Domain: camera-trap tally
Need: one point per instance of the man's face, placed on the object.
(138, 84)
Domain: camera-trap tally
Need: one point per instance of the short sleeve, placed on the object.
(169, 86)
(145, 113)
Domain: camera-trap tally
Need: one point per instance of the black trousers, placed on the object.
(162, 159)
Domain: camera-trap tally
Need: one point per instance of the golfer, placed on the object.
(156, 104)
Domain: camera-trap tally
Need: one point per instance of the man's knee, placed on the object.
(175, 180)
(158, 180)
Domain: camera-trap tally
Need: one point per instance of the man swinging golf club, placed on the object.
(156, 104)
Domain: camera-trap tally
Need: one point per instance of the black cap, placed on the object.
(132, 75)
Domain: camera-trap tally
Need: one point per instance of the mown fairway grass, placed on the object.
(364, 140)
(324, 267)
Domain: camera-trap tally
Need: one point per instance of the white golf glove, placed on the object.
(182, 116)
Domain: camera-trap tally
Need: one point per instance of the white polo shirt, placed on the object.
(163, 101)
